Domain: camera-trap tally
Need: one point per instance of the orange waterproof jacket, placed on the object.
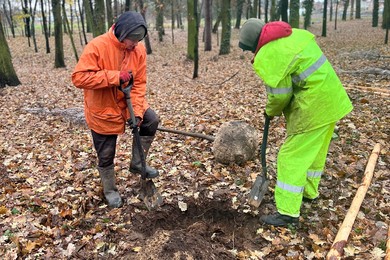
(97, 73)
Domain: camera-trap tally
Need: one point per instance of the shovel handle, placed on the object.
(264, 147)
(135, 131)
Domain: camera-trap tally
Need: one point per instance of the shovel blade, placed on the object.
(150, 195)
(258, 191)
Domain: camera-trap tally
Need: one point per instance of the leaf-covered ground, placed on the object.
(51, 204)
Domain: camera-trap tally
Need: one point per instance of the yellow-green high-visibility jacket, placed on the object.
(301, 83)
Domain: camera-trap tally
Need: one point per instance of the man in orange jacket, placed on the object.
(107, 62)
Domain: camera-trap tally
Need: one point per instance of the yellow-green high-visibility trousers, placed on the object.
(301, 162)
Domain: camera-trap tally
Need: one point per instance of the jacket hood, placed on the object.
(127, 23)
(273, 31)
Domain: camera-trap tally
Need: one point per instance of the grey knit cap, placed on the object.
(250, 34)
(128, 25)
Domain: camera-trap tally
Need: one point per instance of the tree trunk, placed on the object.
(375, 13)
(284, 10)
(110, 17)
(226, 28)
(88, 15)
(146, 39)
(196, 40)
(32, 14)
(352, 10)
(7, 72)
(346, 4)
(331, 11)
(127, 5)
(254, 9)
(240, 4)
(82, 12)
(9, 17)
(59, 52)
(191, 30)
(335, 15)
(159, 5)
(294, 13)
(386, 16)
(308, 5)
(45, 29)
(324, 18)
(99, 18)
(266, 3)
(358, 9)
(70, 31)
(207, 26)
(26, 21)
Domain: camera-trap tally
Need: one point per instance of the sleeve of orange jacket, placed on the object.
(90, 73)
(138, 92)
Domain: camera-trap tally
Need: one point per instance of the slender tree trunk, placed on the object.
(352, 10)
(82, 12)
(26, 21)
(358, 9)
(88, 15)
(59, 43)
(346, 4)
(335, 15)
(284, 10)
(32, 14)
(99, 18)
(226, 28)
(266, 7)
(191, 30)
(331, 11)
(110, 18)
(196, 40)
(70, 31)
(254, 9)
(386, 18)
(159, 5)
(240, 4)
(7, 72)
(45, 29)
(9, 17)
(324, 18)
(294, 13)
(308, 4)
(375, 13)
(146, 39)
(173, 20)
(207, 26)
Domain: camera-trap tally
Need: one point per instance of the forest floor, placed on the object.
(51, 202)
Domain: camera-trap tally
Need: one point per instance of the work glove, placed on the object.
(138, 122)
(270, 117)
(125, 76)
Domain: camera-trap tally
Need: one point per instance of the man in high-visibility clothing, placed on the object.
(300, 83)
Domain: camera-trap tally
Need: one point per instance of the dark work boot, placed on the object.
(107, 175)
(279, 220)
(136, 164)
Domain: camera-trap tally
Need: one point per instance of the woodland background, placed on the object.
(51, 202)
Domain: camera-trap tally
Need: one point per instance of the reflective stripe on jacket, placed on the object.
(300, 83)
(97, 72)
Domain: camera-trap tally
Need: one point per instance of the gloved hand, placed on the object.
(138, 122)
(270, 117)
(125, 76)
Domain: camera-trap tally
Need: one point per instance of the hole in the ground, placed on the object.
(208, 229)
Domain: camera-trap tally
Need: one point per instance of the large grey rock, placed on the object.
(235, 142)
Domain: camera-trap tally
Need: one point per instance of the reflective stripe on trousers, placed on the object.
(301, 160)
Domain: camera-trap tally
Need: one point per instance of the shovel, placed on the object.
(148, 192)
(261, 184)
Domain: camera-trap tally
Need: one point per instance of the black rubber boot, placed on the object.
(107, 175)
(136, 164)
(279, 220)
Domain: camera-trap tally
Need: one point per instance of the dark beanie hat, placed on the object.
(250, 34)
(129, 23)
